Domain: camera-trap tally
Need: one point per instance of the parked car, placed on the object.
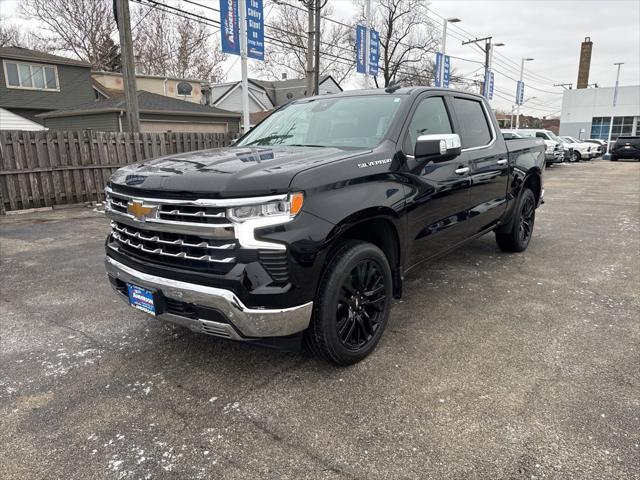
(581, 150)
(626, 147)
(601, 145)
(305, 229)
(555, 151)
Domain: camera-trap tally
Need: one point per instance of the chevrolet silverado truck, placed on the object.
(304, 230)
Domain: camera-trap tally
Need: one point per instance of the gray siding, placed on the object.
(102, 122)
(75, 89)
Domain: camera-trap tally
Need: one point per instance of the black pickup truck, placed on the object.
(304, 230)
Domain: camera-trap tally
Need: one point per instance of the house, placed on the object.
(33, 82)
(107, 83)
(264, 95)
(158, 113)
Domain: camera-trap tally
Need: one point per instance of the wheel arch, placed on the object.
(379, 226)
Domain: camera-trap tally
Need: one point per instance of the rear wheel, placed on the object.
(575, 157)
(352, 306)
(518, 237)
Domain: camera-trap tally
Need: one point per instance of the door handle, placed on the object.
(462, 170)
(502, 161)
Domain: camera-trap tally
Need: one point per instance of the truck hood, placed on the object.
(227, 172)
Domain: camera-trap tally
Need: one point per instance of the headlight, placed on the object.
(287, 208)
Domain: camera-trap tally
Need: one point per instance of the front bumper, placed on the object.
(236, 321)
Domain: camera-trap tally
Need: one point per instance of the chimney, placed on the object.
(284, 75)
(585, 63)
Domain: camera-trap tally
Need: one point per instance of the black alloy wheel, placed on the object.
(360, 305)
(527, 217)
(352, 306)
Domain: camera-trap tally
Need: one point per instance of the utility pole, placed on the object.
(242, 7)
(487, 58)
(310, 49)
(566, 86)
(521, 75)
(615, 100)
(316, 77)
(123, 19)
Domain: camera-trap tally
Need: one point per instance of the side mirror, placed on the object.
(438, 147)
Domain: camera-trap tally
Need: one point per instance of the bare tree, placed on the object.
(10, 35)
(407, 41)
(167, 44)
(287, 54)
(82, 28)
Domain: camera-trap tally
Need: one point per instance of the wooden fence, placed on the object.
(42, 169)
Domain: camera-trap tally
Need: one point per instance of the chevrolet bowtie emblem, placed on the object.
(141, 211)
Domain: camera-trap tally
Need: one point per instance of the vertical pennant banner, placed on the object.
(374, 52)
(520, 93)
(255, 29)
(230, 26)
(438, 69)
(361, 37)
(488, 85)
(447, 72)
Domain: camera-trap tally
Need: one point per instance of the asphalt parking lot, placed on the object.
(494, 365)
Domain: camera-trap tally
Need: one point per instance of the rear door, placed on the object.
(487, 158)
(438, 199)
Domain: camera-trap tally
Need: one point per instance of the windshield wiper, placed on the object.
(304, 145)
(261, 141)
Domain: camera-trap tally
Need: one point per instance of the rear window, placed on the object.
(632, 140)
(474, 127)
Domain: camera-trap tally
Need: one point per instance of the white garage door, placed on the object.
(183, 127)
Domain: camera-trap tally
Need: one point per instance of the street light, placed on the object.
(615, 99)
(446, 22)
(521, 73)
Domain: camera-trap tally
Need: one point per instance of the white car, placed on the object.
(555, 151)
(581, 150)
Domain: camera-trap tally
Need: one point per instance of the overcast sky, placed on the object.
(550, 31)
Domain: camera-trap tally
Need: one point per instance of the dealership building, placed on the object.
(587, 112)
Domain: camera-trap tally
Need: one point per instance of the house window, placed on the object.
(31, 76)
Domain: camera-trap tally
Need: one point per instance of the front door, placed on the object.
(438, 198)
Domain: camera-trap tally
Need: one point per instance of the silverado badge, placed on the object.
(141, 211)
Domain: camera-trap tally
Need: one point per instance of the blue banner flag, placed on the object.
(255, 29)
(488, 85)
(230, 26)
(374, 52)
(361, 37)
(447, 71)
(438, 69)
(520, 93)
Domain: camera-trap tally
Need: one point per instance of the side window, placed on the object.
(474, 127)
(541, 135)
(430, 118)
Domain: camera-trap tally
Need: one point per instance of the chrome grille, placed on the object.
(177, 249)
(187, 213)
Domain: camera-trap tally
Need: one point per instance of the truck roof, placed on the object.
(410, 91)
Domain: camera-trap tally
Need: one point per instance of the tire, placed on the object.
(518, 238)
(576, 156)
(352, 305)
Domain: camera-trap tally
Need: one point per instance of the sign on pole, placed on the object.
(438, 69)
(374, 52)
(255, 29)
(520, 93)
(488, 85)
(447, 72)
(361, 37)
(230, 26)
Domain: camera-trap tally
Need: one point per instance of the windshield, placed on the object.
(358, 122)
(553, 136)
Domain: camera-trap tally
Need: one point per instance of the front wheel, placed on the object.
(352, 305)
(575, 157)
(518, 237)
